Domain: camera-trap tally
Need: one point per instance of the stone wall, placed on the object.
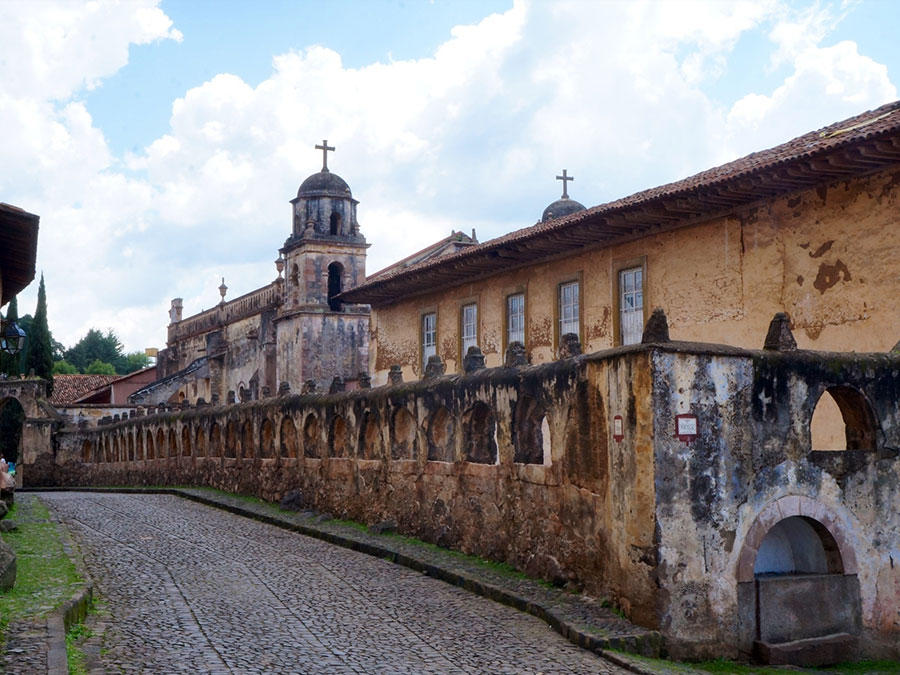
(576, 471)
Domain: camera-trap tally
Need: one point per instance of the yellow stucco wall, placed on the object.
(826, 256)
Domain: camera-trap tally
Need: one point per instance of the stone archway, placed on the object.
(798, 593)
(36, 464)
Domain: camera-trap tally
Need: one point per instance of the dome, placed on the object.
(561, 207)
(326, 184)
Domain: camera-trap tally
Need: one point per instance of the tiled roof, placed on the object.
(857, 146)
(69, 388)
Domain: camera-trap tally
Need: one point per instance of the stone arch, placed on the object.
(185, 441)
(231, 440)
(334, 223)
(441, 436)
(267, 439)
(151, 451)
(479, 429)
(215, 441)
(160, 444)
(337, 437)
(369, 437)
(12, 424)
(335, 285)
(116, 450)
(139, 446)
(200, 447)
(86, 451)
(173, 443)
(530, 432)
(798, 545)
(311, 436)
(288, 438)
(857, 417)
(403, 435)
(248, 444)
(786, 507)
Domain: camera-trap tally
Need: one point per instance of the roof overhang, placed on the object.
(18, 249)
(861, 146)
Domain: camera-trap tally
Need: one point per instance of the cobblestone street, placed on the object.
(190, 588)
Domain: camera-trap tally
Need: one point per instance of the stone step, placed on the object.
(810, 652)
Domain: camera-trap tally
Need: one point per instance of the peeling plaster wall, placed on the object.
(825, 256)
(753, 450)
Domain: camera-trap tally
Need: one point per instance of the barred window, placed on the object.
(568, 309)
(515, 318)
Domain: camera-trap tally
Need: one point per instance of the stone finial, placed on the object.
(365, 382)
(201, 402)
(473, 360)
(309, 387)
(780, 338)
(132, 413)
(266, 392)
(657, 328)
(230, 397)
(116, 417)
(337, 385)
(395, 374)
(175, 310)
(569, 346)
(434, 367)
(284, 389)
(515, 355)
(215, 398)
(245, 395)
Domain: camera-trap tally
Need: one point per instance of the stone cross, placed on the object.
(565, 179)
(325, 148)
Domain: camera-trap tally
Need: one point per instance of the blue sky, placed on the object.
(160, 142)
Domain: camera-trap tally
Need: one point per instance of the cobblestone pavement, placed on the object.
(190, 588)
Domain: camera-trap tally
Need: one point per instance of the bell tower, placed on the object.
(324, 256)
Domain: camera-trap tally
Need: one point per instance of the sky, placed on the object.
(161, 141)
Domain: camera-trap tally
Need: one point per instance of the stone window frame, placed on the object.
(461, 305)
(577, 277)
(618, 266)
(423, 312)
(507, 294)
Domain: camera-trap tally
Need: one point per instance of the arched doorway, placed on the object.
(12, 419)
(798, 593)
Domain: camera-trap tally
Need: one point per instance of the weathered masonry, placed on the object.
(678, 479)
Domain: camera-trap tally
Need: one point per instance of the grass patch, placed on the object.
(74, 656)
(46, 577)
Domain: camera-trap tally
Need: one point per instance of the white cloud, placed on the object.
(471, 136)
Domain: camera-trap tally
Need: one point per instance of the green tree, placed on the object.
(135, 361)
(9, 364)
(38, 346)
(63, 368)
(98, 367)
(95, 346)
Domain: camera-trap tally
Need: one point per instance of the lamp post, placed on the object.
(12, 337)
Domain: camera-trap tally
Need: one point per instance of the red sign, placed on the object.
(686, 428)
(618, 428)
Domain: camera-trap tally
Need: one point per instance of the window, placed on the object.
(335, 270)
(631, 305)
(469, 327)
(568, 309)
(429, 337)
(515, 318)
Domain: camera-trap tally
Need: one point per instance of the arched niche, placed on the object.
(231, 440)
(86, 452)
(369, 437)
(215, 441)
(441, 436)
(267, 439)
(200, 448)
(185, 441)
(403, 435)
(311, 436)
(531, 432)
(337, 437)
(288, 438)
(151, 449)
(248, 449)
(843, 419)
(479, 428)
(335, 285)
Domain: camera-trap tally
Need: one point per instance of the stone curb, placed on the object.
(58, 624)
(651, 640)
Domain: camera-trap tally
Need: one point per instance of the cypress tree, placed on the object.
(39, 351)
(10, 364)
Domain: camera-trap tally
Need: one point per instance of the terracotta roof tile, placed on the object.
(720, 183)
(69, 388)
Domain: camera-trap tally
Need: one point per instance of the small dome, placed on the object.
(561, 207)
(324, 183)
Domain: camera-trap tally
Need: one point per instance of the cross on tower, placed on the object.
(325, 148)
(565, 179)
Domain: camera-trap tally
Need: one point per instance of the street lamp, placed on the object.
(12, 338)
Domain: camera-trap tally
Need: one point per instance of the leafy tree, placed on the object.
(63, 368)
(9, 364)
(38, 347)
(99, 367)
(135, 361)
(95, 346)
